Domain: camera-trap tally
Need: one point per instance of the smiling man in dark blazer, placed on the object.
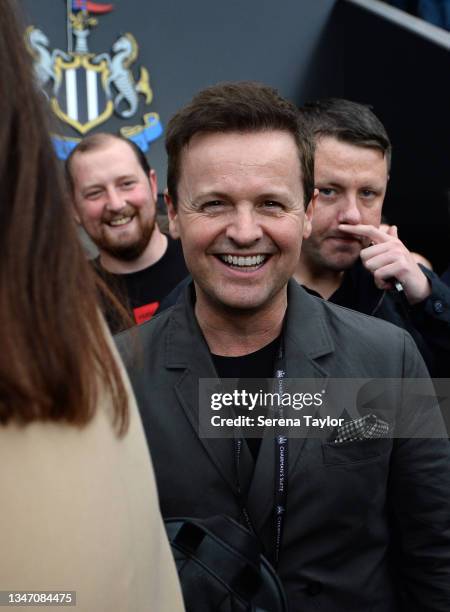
(366, 519)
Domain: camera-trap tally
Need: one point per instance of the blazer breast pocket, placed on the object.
(357, 451)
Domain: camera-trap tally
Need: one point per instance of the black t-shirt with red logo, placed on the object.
(141, 292)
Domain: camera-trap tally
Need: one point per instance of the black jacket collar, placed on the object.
(307, 337)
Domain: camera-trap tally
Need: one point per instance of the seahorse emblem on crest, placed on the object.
(85, 89)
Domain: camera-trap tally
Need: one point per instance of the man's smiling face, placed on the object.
(115, 200)
(240, 216)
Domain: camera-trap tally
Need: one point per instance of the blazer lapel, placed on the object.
(186, 350)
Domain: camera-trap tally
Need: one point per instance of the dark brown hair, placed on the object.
(55, 357)
(237, 107)
(347, 121)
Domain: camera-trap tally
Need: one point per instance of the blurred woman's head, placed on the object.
(54, 355)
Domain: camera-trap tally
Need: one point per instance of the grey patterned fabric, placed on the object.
(369, 426)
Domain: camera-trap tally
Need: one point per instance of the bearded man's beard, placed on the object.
(128, 251)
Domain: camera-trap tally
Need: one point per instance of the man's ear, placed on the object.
(173, 216)
(76, 216)
(153, 180)
(307, 223)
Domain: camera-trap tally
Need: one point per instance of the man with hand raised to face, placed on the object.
(240, 195)
(348, 259)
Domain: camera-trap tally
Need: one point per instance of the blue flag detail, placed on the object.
(141, 135)
(79, 5)
(63, 146)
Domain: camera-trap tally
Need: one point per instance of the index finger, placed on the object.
(366, 231)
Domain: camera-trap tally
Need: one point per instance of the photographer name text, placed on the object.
(263, 421)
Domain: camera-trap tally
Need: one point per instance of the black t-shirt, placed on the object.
(357, 290)
(141, 292)
(250, 369)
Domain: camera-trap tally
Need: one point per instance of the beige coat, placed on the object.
(79, 511)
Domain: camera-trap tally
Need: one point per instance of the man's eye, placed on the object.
(128, 184)
(328, 192)
(213, 205)
(368, 193)
(272, 205)
(92, 195)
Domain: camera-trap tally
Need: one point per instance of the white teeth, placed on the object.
(242, 262)
(120, 221)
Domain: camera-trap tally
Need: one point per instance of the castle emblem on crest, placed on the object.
(85, 89)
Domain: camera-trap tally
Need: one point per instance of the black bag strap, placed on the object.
(239, 563)
(224, 550)
(233, 533)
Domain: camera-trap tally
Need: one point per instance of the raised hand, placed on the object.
(387, 258)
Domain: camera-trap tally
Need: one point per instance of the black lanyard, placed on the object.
(281, 461)
(281, 467)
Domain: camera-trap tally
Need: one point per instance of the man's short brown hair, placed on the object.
(348, 122)
(97, 141)
(242, 107)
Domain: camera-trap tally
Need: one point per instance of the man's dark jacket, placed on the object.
(428, 321)
(367, 526)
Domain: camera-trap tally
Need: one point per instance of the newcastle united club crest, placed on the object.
(85, 89)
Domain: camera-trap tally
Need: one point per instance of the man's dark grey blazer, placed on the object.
(368, 522)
